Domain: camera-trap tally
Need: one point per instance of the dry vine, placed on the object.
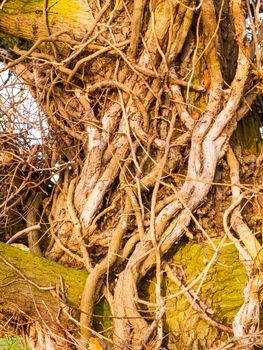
(135, 116)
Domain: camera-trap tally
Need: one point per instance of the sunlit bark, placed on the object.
(141, 101)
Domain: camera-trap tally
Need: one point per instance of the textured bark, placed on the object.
(27, 19)
(35, 289)
(41, 296)
(139, 106)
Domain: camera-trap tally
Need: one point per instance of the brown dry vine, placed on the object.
(136, 115)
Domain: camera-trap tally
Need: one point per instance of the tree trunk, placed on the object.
(49, 292)
(138, 154)
(38, 293)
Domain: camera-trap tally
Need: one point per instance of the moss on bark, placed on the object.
(27, 19)
(221, 291)
(17, 294)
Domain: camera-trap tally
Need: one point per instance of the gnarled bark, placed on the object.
(140, 105)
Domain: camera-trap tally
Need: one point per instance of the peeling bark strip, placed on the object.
(139, 152)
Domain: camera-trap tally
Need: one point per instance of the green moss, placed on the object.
(221, 291)
(35, 7)
(100, 323)
(26, 19)
(7, 42)
(45, 273)
(11, 343)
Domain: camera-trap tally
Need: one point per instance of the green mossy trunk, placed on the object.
(19, 294)
(30, 20)
(221, 292)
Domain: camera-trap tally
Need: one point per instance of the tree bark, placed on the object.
(35, 291)
(35, 19)
(138, 103)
